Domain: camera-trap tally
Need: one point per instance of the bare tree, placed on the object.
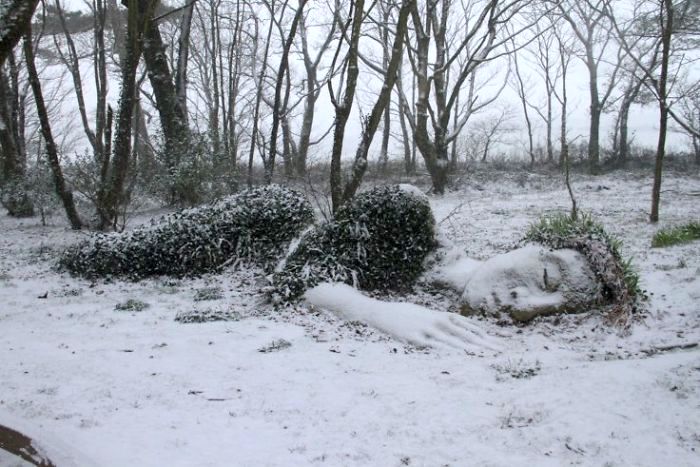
(593, 30)
(282, 71)
(15, 18)
(522, 91)
(170, 105)
(690, 113)
(343, 105)
(657, 74)
(259, 93)
(112, 195)
(312, 91)
(380, 106)
(479, 33)
(488, 132)
(547, 66)
(564, 52)
(51, 148)
(666, 25)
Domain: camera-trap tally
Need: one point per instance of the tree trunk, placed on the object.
(15, 18)
(409, 166)
(386, 133)
(381, 105)
(173, 117)
(51, 149)
(595, 112)
(111, 197)
(183, 52)
(343, 108)
(386, 130)
(14, 196)
(523, 102)
(666, 32)
(258, 97)
(623, 143)
(276, 110)
(550, 145)
(628, 99)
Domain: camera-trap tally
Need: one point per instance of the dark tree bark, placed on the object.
(386, 130)
(51, 149)
(344, 106)
(630, 94)
(666, 18)
(277, 106)
(183, 53)
(16, 18)
(258, 98)
(14, 197)
(372, 123)
(589, 23)
(173, 116)
(313, 91)
(522, 94)
(111, 197)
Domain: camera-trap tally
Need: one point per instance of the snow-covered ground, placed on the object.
(103, 387)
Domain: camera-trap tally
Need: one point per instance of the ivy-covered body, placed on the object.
(254, 225)
(378, 240)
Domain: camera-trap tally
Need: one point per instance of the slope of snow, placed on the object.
(137, 388)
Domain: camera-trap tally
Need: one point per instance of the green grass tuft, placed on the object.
(676, 235)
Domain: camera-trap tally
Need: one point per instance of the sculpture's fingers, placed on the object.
(462, 322)
(467, 336)
(447, 341)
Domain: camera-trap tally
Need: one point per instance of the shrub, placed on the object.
(676, 235)
(619, 280)
(252, 226)
(132, 304)
(377, 241)
(208, 293)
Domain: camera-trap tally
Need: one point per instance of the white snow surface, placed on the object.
(139, 389)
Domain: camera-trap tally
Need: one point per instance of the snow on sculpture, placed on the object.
(529, 282)
(408, 322)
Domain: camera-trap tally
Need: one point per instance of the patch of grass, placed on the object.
(517, 369)
(132, 305)
(275, 346)
(207, 315)
(678, 235)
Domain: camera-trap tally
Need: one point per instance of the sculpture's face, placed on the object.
(530, 281)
